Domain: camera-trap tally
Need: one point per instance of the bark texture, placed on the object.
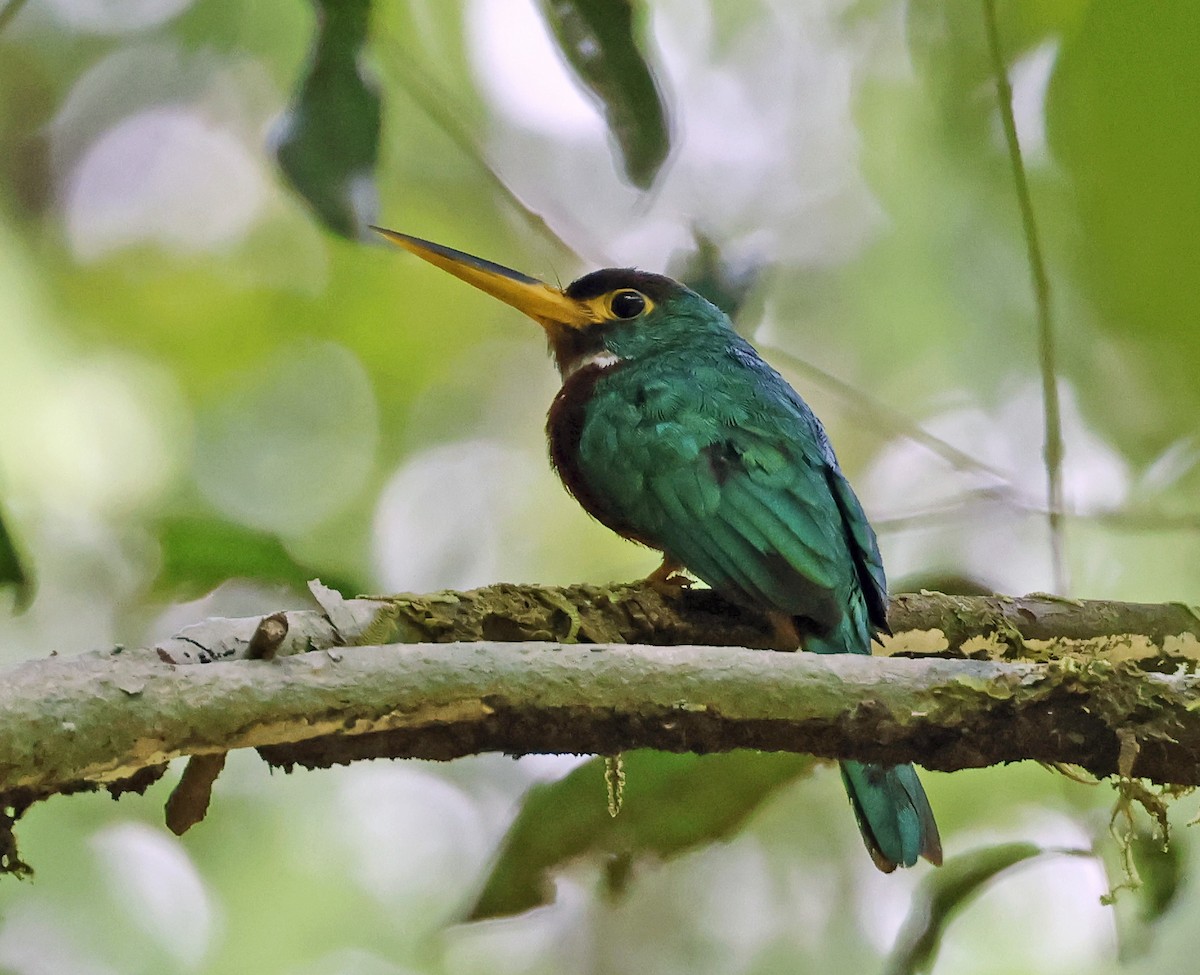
(1109, 687)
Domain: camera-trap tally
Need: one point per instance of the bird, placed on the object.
(672, 431)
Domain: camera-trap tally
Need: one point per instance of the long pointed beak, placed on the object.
(545, 305)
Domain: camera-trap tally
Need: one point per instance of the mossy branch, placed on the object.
(1105, 686)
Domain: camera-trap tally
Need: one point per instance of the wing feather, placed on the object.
(771, 537)
(735, 479)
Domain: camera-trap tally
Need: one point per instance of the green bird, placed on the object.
(673, 432)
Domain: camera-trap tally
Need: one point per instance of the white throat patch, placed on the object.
(602, 359)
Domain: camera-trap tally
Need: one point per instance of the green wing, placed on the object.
(736, 489)
(864, 547)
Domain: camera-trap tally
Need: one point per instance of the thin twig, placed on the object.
(965, 505)
(894, 421)
(1053, 438)
(418, 83)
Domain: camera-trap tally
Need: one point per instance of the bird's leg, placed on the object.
(668, 578)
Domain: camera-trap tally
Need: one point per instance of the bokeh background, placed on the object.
(214, 385)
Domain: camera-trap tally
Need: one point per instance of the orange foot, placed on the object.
(669, 579)
(784, 634)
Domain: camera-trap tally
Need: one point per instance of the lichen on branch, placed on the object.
(1105, 686)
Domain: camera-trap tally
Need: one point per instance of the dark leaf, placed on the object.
(12, 568)
(723, 283)
(596, 38)
(329, 139)
(951, 583)
(1162, 869)
(1162, 874)
(672, 803)
(198, 554)
(944, 893)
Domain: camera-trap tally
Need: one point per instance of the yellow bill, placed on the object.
(545, 305)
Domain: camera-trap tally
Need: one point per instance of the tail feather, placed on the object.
(893, 814)
(889, 802)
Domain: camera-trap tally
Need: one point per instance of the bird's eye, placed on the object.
(627, 304)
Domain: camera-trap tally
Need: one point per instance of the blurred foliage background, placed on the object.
(210, 372)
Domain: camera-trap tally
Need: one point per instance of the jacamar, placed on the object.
(673, 432)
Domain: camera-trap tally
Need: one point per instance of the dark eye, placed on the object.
(627, 304)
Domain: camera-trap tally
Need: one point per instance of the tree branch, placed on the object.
(1062, 681)
(1035, 627)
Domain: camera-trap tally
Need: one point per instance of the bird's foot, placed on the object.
(784, 633)
(668, 579)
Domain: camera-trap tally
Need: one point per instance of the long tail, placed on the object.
(893, 814)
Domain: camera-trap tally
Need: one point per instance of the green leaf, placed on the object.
(1122, 122)
(1147, 896)
(198, 554)
(1162, 868)
(672, 803)
(945, 892)
(596, 39)
(329, 140)
(12, 568)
